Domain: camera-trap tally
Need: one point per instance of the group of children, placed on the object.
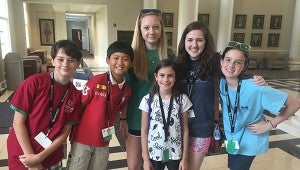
(41, 125)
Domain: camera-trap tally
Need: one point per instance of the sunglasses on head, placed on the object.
(242, 46)
(146, 11)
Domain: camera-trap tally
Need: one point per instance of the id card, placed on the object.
(231, 146)
(166, 156)
(108, 132)
(43, 140)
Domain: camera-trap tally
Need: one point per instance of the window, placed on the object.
(4, 28)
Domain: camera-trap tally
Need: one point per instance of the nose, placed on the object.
(194, 43)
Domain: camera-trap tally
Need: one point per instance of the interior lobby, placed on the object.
(98, 23)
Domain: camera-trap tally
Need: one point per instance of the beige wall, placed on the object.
(267, 8)
(116, 11)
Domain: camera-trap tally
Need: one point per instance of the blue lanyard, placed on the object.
(233, 115)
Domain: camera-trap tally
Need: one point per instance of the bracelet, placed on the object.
(272, 124)
(122, 118)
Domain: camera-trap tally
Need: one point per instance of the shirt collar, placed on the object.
(113, 81)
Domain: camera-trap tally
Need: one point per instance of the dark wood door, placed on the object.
(77, 37)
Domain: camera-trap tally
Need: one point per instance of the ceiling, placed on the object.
(76, 8)
(76, 12)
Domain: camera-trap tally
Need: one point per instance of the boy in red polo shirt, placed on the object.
(46, 106)
(103, 97)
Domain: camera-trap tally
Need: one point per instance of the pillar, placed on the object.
(188, 12)
(225, 22)
(294, 57)
(150, 4)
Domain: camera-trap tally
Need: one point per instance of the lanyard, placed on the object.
(108, 111)
(233, 115)
(166, 122)
(52, 115)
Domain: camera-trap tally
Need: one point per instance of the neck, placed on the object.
(151, 46)
(232, 82)
(165, 95)
(61, 79)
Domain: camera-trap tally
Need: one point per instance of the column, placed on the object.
(225, 22)
(294, 58)
(188, 12)
(150, 4)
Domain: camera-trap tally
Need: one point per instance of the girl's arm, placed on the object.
(291, 106)
(184, 161)
(144, 141)
(32, 159)
(259, 80)
(123, 123)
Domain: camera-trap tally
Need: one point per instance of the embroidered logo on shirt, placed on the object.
(100, 86)
(69, 108)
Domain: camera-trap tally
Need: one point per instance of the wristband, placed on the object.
(122, 118)
(272, 124)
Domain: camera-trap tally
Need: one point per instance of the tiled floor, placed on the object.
(284, 146)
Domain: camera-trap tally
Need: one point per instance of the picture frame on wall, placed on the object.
(204, 19)
(169, 38)
(47, 32)
(273, 40)
(258, 21)
(256, 39)
(239, 37)
(240, 21)
(167, 19)
(275, 22)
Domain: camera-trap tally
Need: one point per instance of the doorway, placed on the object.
(77, 37)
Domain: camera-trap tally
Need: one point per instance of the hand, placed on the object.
(183, 165)
(148, 165)
(259, 127)
(259, 80)
(124, 128)
(30, 160)
(37, 167)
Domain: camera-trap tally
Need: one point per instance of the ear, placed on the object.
(107, 60)
(155, 75)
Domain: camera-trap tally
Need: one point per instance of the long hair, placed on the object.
(140, 63)
(208, 62)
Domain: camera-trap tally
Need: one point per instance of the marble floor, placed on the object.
(284, 146)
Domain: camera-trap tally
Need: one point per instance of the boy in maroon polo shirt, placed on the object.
(103, 97)
(46, 106)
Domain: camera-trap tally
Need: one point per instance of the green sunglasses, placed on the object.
(146, 11)
(242, 46)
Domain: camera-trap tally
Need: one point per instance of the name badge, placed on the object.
(108, 132)
(231, 146)
(43, 140)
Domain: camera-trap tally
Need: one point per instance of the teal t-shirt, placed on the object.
(140, 88)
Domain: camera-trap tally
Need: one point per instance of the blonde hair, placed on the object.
(140, 62)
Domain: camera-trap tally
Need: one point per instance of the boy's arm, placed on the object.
(185, 152)
(22, 133)
(32, 159)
